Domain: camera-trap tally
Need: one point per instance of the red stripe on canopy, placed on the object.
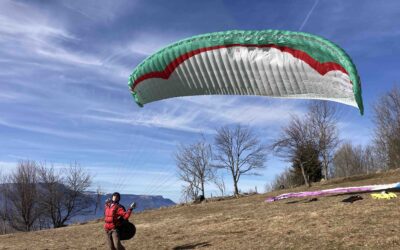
(321, 68)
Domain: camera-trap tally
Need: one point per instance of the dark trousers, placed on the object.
(113, 240)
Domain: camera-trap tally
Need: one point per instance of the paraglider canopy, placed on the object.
(267, 63)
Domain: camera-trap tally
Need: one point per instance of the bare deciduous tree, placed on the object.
(323, 119)
(352, 160)
(286, 179)
(307, 164)
(387, 130)
(194, 167)
(22, 192)
(239, 151)
(36, 197)
(189, 191)
(310, 142)
(64, 194)
(75, 201)
(3, 205)
(296, 136)
(371, 159)
(3, 213)
(220, 183)
(345, 161)
(52, 193)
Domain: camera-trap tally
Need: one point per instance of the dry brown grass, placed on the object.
(247, 223)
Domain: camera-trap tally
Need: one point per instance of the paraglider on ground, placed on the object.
(248, 223)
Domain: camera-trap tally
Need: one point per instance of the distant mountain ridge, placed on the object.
(143, 202)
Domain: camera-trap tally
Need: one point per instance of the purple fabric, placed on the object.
(332, 191)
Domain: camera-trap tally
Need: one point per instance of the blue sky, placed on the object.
(64, 68)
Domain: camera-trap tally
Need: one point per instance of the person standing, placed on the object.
(113, 213)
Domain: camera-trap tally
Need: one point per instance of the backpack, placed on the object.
(126, 230)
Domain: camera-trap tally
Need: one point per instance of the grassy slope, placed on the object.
(247, 223)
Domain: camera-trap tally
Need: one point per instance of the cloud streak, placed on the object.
(308, 15)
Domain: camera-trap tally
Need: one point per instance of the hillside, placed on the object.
(247, 223)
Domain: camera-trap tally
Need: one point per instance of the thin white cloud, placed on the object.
(40, 37)
(308, 15)
(258, 113)
(202, 114)
(29, 32)
(100, 11)
(167, 118)
(42, 130)
(148, 43)
(12, 96)
(65, 56)
(24, 21)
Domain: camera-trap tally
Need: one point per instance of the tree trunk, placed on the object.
(325, 166)
(304, 175)
(202, 189)
(235, 186)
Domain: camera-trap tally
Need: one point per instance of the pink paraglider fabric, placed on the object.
(335, 191)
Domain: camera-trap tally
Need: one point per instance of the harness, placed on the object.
(126, 230)
(117, 221)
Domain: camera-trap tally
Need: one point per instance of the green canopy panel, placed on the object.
(267, 63)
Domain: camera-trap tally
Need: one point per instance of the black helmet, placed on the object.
(116, 194)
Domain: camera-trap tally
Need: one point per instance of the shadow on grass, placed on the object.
(296, 201)
(192, 246)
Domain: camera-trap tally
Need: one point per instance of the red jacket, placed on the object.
(112, 212)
